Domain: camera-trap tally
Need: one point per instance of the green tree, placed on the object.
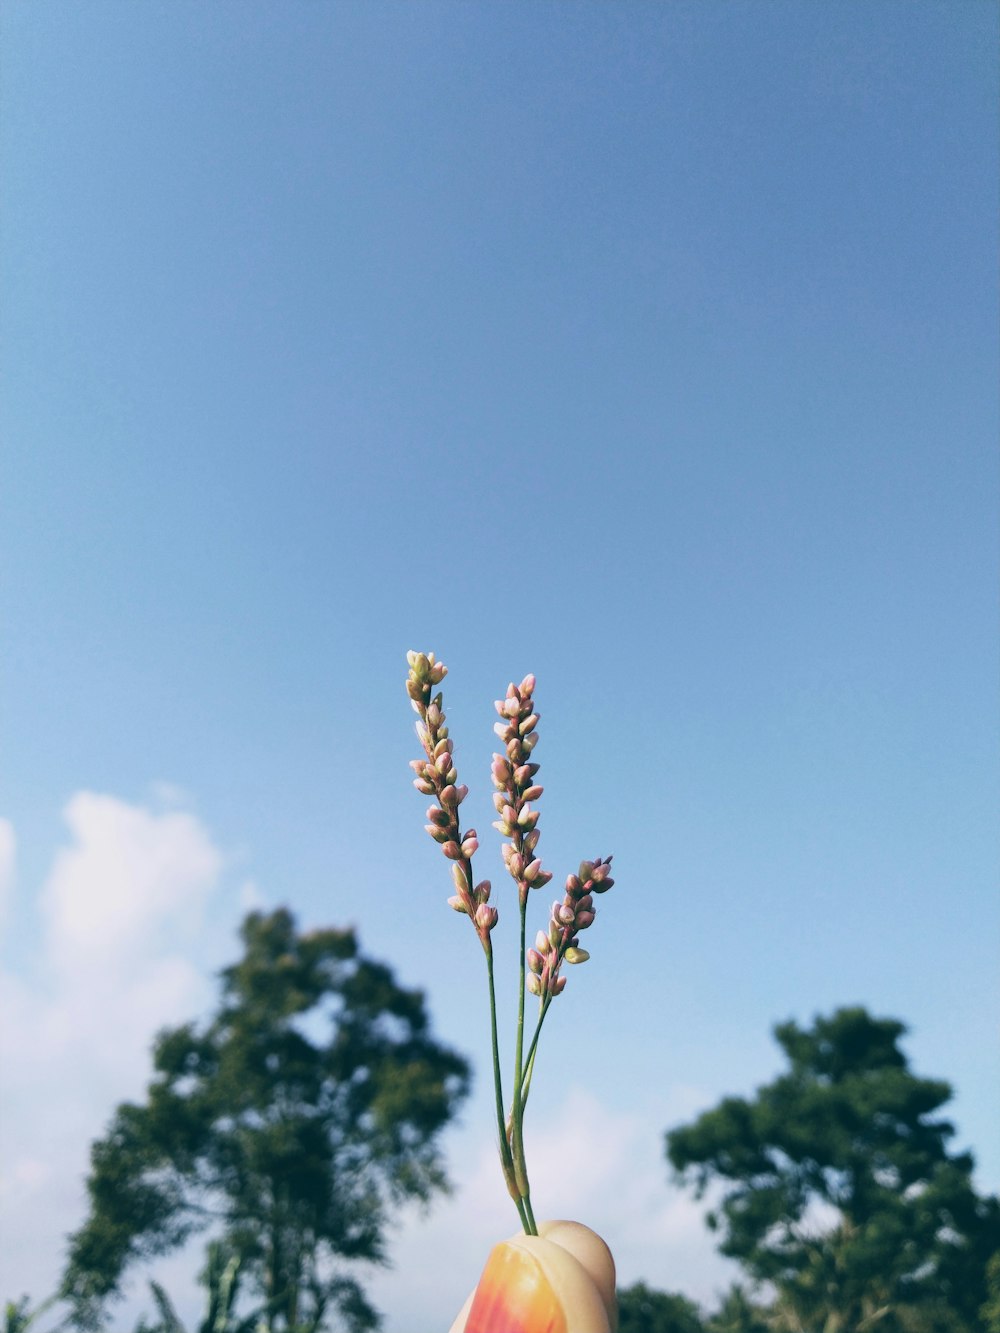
(290, 1124)
(839, 1189)
(990, 1311)
(643, 1310)
(221, 1280)
(18, 1316)
(739, 1314)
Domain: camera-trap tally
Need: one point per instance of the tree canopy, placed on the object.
(288, 1125)
(641, 1309)
(839, 1190)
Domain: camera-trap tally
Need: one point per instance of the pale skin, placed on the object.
(562, 1280)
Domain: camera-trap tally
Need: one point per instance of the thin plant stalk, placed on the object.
(517, 1108)
(505, 1152)
(515, 778)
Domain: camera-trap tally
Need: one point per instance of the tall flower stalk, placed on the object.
(514, 772)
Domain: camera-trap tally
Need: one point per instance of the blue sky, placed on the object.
(648, 347)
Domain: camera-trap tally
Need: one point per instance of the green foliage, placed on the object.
(839, 1188)
(291, 1123)
(739, 1314)
(990, 1312)
(18, 1316)
(643, 1310)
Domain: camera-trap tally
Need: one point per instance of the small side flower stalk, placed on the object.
(515, 774)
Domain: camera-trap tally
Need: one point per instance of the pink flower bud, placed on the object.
(527, 686)
(452, 851)
(499, 801)
(585, 904)
(534, 984)
(502, 730)
(424, 787)
(515, 750)
(532, 794)
(503, 828)
(531, 840)
(442, 747)
(541, 879)
(516, 865)
(486, 917)
(434, 716)
(584, 919)
(586, 871)
(535, 961)
(458, 904)
(573, 885)
(437, 833)
(527, 818)
(531, 870)
(555, 934)
(506, 851)
(423, 736)
(511, 706)
(470, 845)
(529, 724)
(418, 766)
(557, 985)
(563, 914)
(483, 890)
(530, 741)
(542, 943)
(461, 882)
(522, 775)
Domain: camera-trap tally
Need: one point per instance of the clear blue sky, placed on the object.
(649, 347)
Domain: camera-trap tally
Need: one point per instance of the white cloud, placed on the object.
(124, 948)
(129, 876)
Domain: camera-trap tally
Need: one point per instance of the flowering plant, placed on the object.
(515, 774)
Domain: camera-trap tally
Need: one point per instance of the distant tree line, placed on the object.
(290, 1125)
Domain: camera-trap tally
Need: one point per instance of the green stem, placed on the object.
(529, 1064)
(517, 1109)
(506, 1161)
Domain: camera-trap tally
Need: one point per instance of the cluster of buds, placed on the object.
(438, 777)
(561, 941)
(514, 774)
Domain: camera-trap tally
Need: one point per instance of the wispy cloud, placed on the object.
(121, 912)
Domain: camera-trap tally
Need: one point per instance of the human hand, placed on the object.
(560, 1281)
